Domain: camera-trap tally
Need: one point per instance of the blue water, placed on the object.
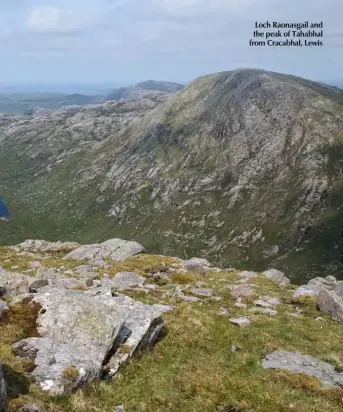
(5, 214)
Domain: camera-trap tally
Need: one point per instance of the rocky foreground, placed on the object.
(73, 316)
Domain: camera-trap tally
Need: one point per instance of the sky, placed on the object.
(120, 42)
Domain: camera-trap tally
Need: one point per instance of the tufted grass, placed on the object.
(193, 369)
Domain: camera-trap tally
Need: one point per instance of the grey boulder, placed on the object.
(193, 265)
(307, 290)
(329, 302)
(201, 292)
(125, 280)
(308, 365)
(277, 276)
(113, 249)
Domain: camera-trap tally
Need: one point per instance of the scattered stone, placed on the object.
(241, 322)
(113, 249)
(331, 303)
(201, 261)
(125, 280)
(247, 275)
(277, 276)
(164, 308)
(308, 365)
(241, 291)
(271, 300)
(30, 407)
(224, 311)
(200, 284)
(120, 408)
(264, 311)
(194, 266)
(202, 292)
(262, 303)
(235, 348)
(215, 298)
(239, 304)
(186, 298)
(37, 284)
(3, 390)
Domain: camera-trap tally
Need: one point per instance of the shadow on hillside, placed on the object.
(17, 384)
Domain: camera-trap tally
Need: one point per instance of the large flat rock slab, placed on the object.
(298, 363)
(113, 249)
(80, 332)
(35, 245)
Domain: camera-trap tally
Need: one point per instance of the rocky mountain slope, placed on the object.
(105, 327)
(142, 89)
(242, 167)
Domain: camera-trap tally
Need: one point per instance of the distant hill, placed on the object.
(139, 90)
(26, 103)
(242, 167)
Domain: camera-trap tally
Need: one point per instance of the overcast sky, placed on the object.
(126, 41)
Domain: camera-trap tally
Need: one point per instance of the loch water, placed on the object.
(5, 213)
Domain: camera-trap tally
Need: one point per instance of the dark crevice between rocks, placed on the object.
(151, 336)
(17, 383)
(121, 338)
(23, 317)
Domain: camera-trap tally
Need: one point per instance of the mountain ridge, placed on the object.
(189, 176)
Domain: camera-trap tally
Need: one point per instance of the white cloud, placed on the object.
(201, 5)
(53, 20)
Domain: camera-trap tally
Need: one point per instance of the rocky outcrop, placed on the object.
(82, 333)
(330, 303)
(308, 365)
(113, 249)
(31, 245)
